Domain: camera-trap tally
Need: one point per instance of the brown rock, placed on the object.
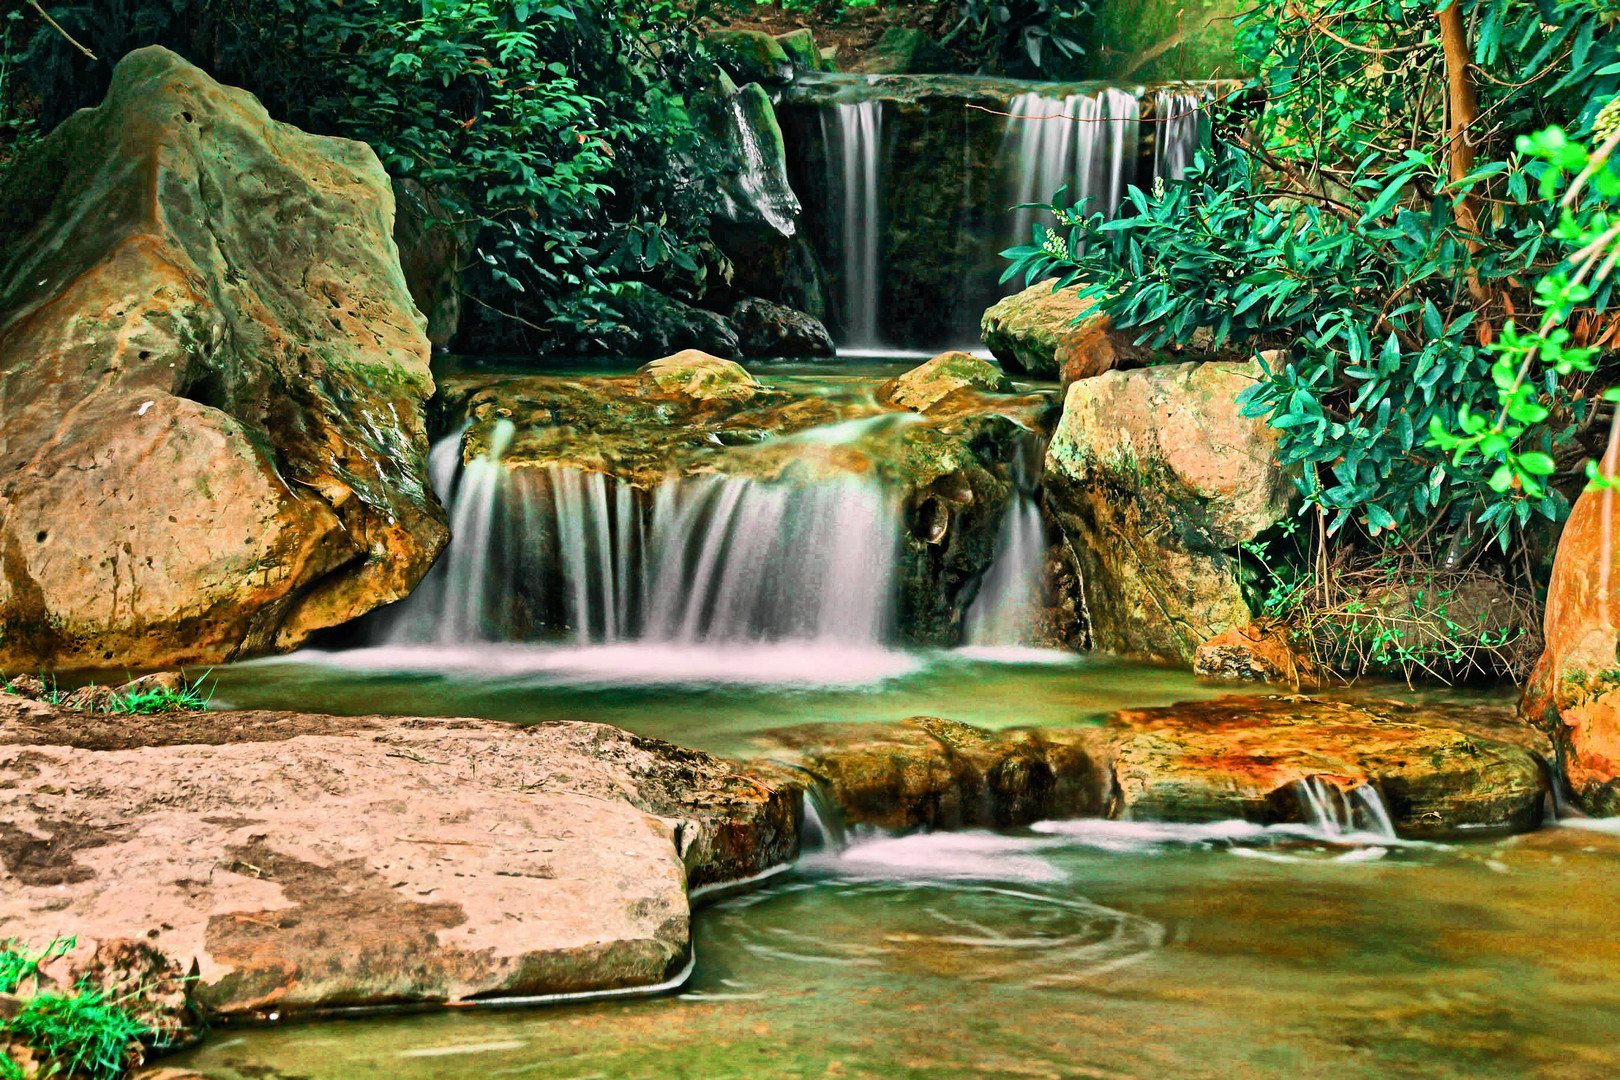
(1247, 757)
(930, 773)
(1024, 330)
(1574, 692)
(1156, 479)
(213, 382)
(91, 699)
(165, 682)
(28, 686)
(1260, 652)
(930, 383)
(700, 377)
(394, 860)
(1094, 347)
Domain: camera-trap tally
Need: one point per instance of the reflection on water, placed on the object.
(1128, 951)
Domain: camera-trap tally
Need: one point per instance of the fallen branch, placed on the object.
(54, 25)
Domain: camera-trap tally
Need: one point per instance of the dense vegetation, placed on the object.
(1377, 211)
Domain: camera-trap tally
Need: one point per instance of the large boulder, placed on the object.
(1048, 334)
(212, 379)
(1157, 479)
(801, 48)
(1574, 691)
(304, 863)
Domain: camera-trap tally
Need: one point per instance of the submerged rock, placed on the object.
(1156, 480)
(305, 863)
(214, 379)
(1574, 692)
(930, 383)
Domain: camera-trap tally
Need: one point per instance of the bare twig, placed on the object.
(54, 25)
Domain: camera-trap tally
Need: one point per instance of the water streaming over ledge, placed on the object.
(568, 555)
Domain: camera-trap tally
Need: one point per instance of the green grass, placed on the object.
(85, 1033)
(149, 702)
(17, 966)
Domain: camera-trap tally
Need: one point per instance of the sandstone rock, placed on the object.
(1156, 480)
(212, 378)
(1024, 331)
(904, 51)
(1247, 757)
(768, 329)
(751, 56)
(1574, 692)
(91, 699)
(699, 377)
(926, 385)
(1259, 652)
(305, 863)
(432, 254)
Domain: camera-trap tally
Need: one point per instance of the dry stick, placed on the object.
(58, 28)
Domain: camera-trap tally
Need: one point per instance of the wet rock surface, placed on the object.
(1157, 480)
(1440, 770)
(1025, 330)
(213, 379)
(307, 863)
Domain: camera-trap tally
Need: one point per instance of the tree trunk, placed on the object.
(1462, 105)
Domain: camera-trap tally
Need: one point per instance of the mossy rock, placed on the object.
(801, 48)
(751, 56)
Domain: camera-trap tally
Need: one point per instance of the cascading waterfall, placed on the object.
(566, 554)
(1088, 142)
(857, 134)
(1179, 132)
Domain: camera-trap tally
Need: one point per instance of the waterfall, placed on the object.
(1337, 814)
(854, 169)
(1088, 142)
(1007, 608)
(565, 554)
(1179, 132)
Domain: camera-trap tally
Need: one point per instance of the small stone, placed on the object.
(1259, 652)
(164, 682)
(28, 686)
(926, 385)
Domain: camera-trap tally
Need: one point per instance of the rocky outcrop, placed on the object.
(929, 384)
(774, 330)
(211, 375)
(305, 863)
(1437, 770)
(1156, 480)
(1574, 692)
(800, 46)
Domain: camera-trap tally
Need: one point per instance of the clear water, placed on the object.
(1100, 950)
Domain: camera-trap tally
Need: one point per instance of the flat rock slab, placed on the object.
(310, 863)
(1439, 769)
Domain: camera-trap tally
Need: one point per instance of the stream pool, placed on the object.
(1072, 949)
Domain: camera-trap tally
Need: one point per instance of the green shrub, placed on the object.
(81, 1034)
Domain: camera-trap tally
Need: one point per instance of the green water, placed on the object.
(711, 699)
(1113, 954)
